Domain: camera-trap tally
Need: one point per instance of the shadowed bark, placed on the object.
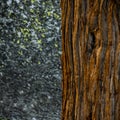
(91, 59)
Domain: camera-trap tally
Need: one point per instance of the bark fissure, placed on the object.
(91, 59)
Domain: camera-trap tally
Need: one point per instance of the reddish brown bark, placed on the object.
(91, 59)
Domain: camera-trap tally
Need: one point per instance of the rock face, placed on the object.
(30, 69)
(36, 98)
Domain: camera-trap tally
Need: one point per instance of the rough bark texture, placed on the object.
(91, 59)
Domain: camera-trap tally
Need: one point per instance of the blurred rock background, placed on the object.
(30, 69)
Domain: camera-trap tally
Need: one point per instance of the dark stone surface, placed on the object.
(30, 70)
(37, 98)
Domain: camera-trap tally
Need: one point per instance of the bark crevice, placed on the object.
(91, 60)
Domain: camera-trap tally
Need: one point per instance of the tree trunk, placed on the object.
(91, 59)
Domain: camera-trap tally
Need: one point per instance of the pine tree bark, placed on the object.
(91, 59)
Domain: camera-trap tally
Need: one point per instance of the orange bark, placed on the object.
(91, 59)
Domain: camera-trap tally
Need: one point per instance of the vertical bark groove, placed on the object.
(91, 59)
